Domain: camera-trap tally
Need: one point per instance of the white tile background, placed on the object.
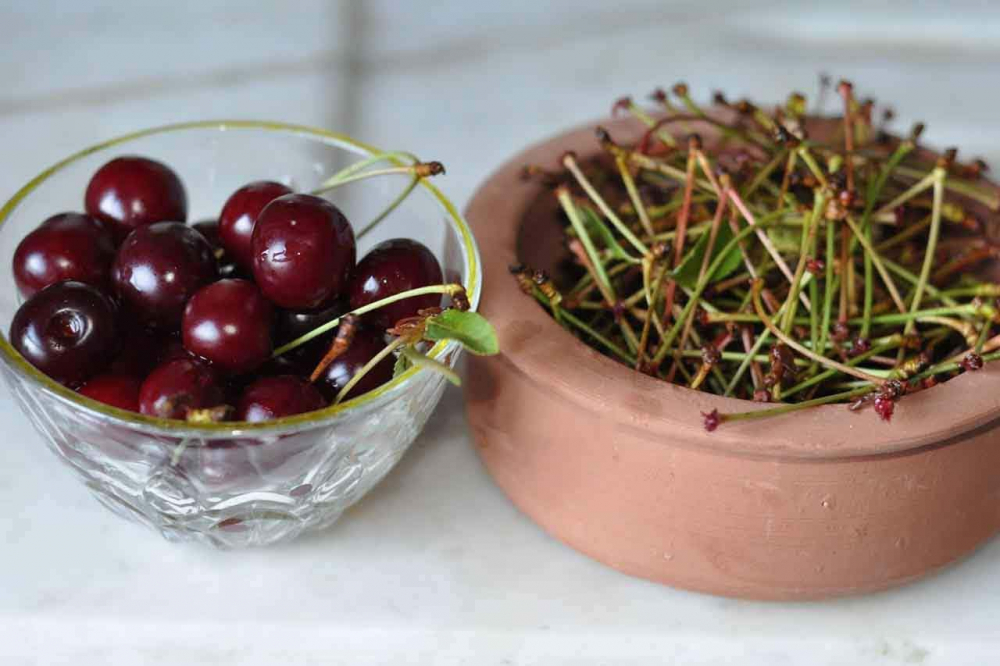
(435, 566)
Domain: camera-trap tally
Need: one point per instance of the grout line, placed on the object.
(353, 68)
(355, 62)
(145, 88)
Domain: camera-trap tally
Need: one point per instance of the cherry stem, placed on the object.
(662, 134)
(361, 165)
(447, 289)
(668, 340)
(808, 233)
(826, 374)
(633, 194)
(951, 366)
(923, 184)
(595, 265)
(879, 266)
(805, 351)
(939, 174)
(367, 367)
(418, 170)
(987, 196)
(400, 198)
(767, 243)
(765, 173)
(341, 343)
(570, 163)
(795, 406)
(703, 275)
(671, 172)
(612, 347)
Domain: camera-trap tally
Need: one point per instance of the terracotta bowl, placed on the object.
(617, 465)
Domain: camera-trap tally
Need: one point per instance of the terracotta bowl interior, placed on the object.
(962, 404)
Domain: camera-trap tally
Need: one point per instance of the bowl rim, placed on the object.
(324, 417)
(544, 353)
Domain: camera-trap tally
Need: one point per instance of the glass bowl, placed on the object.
(238, 484)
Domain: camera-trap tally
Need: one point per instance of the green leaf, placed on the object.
(402, 365)
(686, 274)
(416, 358)
(596, 227)
(469, 328)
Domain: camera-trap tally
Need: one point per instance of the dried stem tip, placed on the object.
(425, 169)
(341, 343)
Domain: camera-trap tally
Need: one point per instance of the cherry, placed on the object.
(227, 267)
(294, 324)
(303, 251)
(210, 230)
(67, 246)
(366, 344)
(277, 397)
(121, 391)
(178, 386)
(145, 349)
(129, 192)
(390, 268)
(159, 267)
(67, 330)
(238, 215)
(229, 323)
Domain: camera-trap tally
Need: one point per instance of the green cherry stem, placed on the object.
(367, 367)
(447, 289)
(802, 349)
(570, 163)
(418, 170)
(939, 175)
(794, 407)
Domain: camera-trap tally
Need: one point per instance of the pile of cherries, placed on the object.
(133, 307)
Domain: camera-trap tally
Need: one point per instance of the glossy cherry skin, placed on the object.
(391, 268)
(130, 192)
(178, 386)
(303, 251)
(227, 267)
(158, 268)
(292, 324)
(67, 246)
(229, 323)
(239, 214)
(366, 344)
(68, 331)
(276, 397)
(121, 391)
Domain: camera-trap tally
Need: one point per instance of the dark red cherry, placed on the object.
(277, 397)
(158, 268)
(68, 331)
(143, 350)
(130, 192)
(390, 268)
(121, 391)
(67, 246)
(303, 251)
(294, 324)
(180, 385)
(229, 323)
(227, 267)
(239, 214)
(210, 230)
(366, 344)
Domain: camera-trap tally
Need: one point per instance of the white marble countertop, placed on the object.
(435, 566)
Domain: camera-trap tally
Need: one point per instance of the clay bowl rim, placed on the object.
(537, 347)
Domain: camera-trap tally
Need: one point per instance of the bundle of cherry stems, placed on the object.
(807, 290)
